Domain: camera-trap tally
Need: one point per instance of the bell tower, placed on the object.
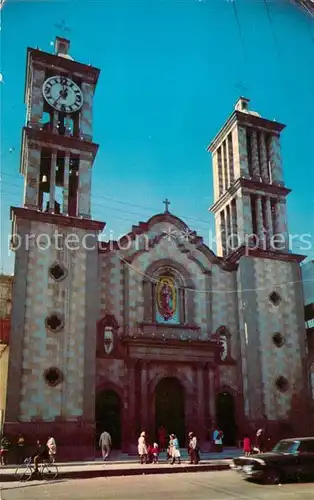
(53, 329)
(249, 191)
(57, 148)
(251, 226)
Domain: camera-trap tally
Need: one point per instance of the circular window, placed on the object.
(53, 376)
(278, 339)
(282, 384)
(275, 298)
(57, 271)
(54, 322)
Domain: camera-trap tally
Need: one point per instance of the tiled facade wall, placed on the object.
(42, 348)
(264, 320)
(219, 289)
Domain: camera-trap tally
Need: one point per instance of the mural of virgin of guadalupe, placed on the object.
(166, 298)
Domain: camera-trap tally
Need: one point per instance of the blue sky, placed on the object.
(171, 72)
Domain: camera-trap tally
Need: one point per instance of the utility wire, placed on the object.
(235, 10)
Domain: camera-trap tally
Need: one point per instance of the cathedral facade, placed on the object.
(153, 329)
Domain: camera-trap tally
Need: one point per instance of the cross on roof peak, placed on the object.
(166, 203)
(62, 27)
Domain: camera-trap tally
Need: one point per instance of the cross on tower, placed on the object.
(167, 203)
(241, 86)
(62, 26)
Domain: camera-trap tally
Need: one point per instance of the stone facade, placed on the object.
(5, 321)
(153, 329)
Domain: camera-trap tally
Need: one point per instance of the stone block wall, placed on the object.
(265, 362)
(41, 347)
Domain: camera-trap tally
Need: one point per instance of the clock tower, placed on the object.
(51, 382)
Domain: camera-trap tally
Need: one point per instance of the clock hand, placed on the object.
(58, 98)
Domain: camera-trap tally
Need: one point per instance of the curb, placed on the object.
(85, 474)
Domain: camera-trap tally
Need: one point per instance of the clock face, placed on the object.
(63, 94)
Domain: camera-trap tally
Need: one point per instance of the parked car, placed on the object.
(289, 459)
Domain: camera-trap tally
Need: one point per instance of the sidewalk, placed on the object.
(126, 466)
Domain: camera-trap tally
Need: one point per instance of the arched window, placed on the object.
(169, 297)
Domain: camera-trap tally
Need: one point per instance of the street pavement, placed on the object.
(125, 465)
(225, 485)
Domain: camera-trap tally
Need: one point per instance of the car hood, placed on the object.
(256, 458)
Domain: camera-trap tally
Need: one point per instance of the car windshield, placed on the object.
(287, 447)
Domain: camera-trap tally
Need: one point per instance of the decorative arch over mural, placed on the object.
(168, 294)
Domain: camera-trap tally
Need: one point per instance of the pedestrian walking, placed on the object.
(20, 445)
(52, 447)
(218, 436)
(175, 449)
(142, 448)
(193, 449)
(155, 453)
(105, 444)
(4, 450)
(247, 446)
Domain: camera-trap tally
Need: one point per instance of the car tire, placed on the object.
(272, 476)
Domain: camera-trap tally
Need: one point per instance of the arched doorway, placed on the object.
(169, 407)
(226, 420)
(108, 416)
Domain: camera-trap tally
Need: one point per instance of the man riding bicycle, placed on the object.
(41, 455)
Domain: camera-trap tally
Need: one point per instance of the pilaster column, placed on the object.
(84, 187)
(32, 180)
(230, 158)
(216, 175)
(227, 164)
(201, 428)
(228, 228)
(220, 171)
(281, 225)
(52, 181)
(209, 302)
(212, 395)
(269, 222)
(244, 219)
(130, 419)
(224, 173)
(223, 232)
(263, 157)
(234, 228)
(255, 161)
(241, 168)
(126, 299)
(275, 160)
(35, 98)
(144, 395)
(86, 122)
(259, 222)
(65, 208)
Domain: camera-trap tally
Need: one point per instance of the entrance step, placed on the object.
(83, 471)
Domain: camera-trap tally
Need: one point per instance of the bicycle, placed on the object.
(47, 470)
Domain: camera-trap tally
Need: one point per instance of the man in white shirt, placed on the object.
(105, 444)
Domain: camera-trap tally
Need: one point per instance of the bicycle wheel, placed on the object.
(23, 473)
(49, 471)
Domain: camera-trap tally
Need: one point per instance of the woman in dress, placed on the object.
(175, 450)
